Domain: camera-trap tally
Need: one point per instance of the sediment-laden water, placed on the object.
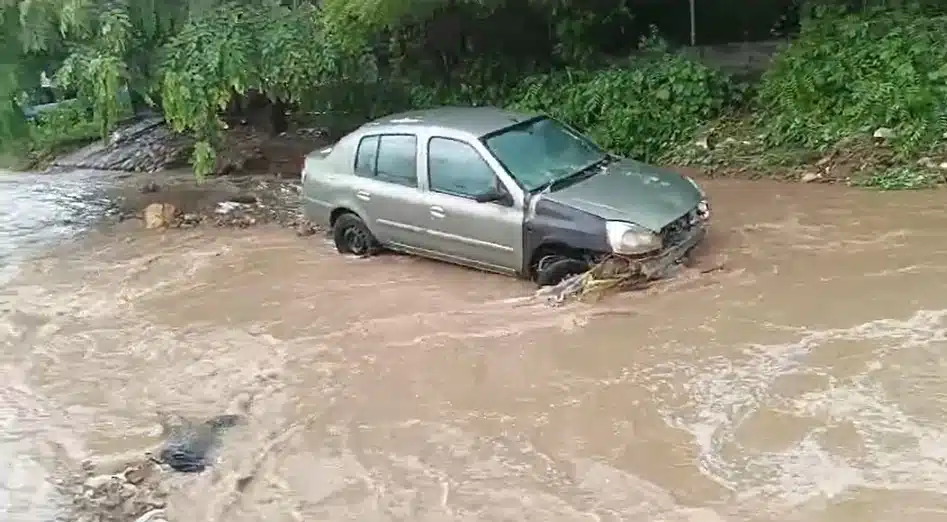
(801, 382)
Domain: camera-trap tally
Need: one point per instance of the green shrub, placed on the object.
(68, 123)
(640, 109)
(849, 74)
(53, 131)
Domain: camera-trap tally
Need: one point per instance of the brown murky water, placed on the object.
(803, 382)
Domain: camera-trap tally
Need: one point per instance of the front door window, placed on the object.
(456, 168)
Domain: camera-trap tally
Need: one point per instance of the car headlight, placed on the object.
(703, 209)
(629, 239)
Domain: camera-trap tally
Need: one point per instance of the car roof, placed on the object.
(478, 121)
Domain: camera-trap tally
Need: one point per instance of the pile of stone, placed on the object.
(266, 202)
(137, 494)
(147, 145)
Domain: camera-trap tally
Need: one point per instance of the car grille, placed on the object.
(679, 229)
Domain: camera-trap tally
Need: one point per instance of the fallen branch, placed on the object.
(614, 273)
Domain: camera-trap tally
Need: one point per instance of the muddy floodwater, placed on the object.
(803, 381)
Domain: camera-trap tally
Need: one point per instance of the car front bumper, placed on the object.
(657, 266)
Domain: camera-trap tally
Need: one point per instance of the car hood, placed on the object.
(628, 190)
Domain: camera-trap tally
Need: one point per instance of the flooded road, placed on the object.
(41, 209)
(801, 382)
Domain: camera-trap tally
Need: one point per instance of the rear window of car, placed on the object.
(366, 157)
(388, 157)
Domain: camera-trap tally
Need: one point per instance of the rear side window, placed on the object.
(390, 157)
(366, 157)
(398, 159)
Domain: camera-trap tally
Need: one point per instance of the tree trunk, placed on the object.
(278, 121)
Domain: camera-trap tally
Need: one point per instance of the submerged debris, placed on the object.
(226, 207)
(139, 493)
(305, 228)
(234, 202)
(136, 494)
(614, 273)
(190, 443)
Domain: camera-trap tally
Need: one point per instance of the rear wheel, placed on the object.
(551, 270)
(352, 236)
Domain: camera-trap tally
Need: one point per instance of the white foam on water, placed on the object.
(888, 447)
(27, 490)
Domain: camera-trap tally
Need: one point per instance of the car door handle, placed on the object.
(362, 195)
(438, 212)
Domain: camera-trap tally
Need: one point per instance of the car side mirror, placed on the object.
(495, 195)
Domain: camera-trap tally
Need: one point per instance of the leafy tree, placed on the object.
(193, 58)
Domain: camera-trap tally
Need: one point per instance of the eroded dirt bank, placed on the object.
(802, 382)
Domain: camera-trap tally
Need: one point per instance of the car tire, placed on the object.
(352, 236)
(553, 271)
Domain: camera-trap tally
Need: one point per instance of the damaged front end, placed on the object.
(613, 271)
(676, 240)
(679, 237)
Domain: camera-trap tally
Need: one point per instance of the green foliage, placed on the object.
(860, 97)
(901, 178)
(351, 60)
(849, 74)
(106, 48)
(228, 51)
(70, 121)
(53, 131)
(193, 58)
(640, 109)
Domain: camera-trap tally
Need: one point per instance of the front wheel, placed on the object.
(352, 236)
(551, 272)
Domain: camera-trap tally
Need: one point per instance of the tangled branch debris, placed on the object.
(615, 273)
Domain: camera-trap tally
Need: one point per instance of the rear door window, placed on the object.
(366, 157)
(398, 159)
(389, 157)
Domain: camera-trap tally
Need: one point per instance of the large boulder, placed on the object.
(159, 215)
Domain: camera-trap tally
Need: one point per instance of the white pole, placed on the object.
(693, 24)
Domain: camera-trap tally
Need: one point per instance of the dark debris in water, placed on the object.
(140, 491)
(190, 443)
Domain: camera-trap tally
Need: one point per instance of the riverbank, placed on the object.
(258, 173)
(731, 147)
(174, 200)
(736, 148)
(144, 176)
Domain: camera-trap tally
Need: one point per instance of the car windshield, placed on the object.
(541, 151)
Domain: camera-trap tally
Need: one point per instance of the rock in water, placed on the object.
(159, 215)
(189, 443)
(305, 228)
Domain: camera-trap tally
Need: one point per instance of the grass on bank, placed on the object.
(857, 98)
